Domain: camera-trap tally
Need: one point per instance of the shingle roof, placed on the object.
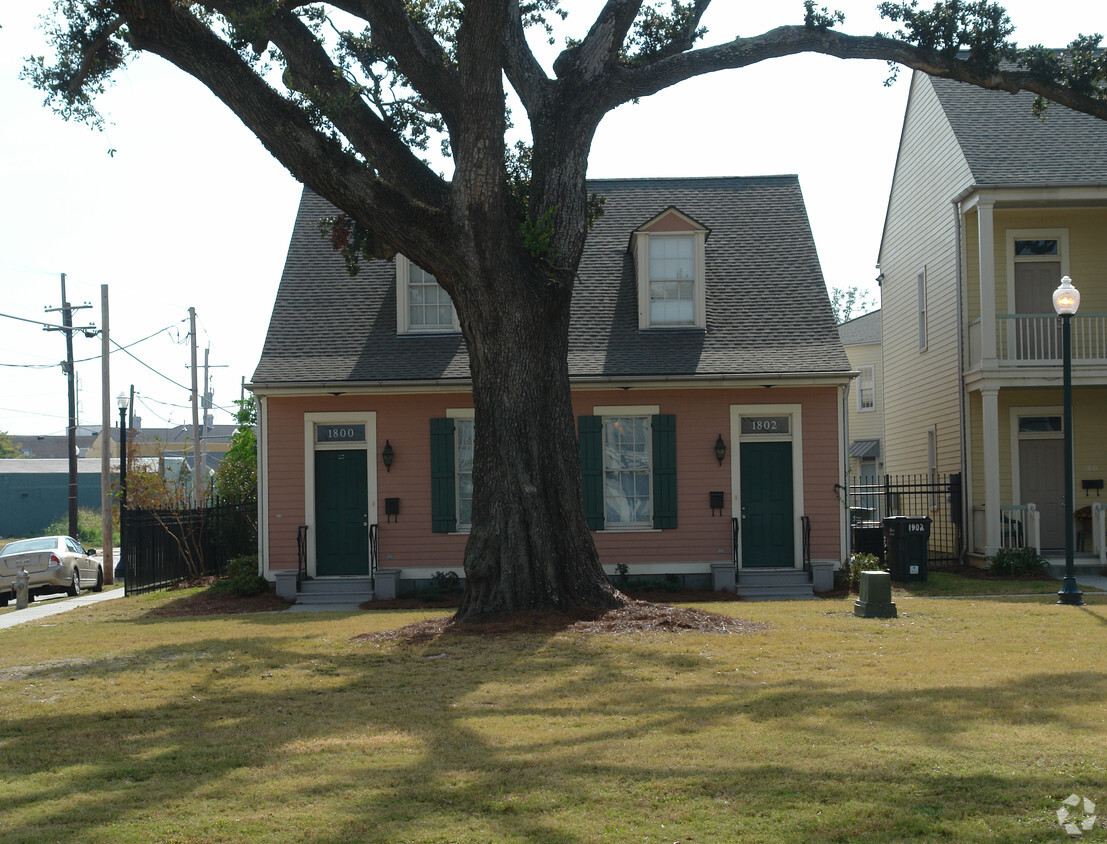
(1005, 144)
(330, 328)
(862, 329)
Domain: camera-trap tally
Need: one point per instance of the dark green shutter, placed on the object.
(664, 471)
(443, 498)
(590, 431)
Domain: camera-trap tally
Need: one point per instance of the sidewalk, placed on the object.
(41, 608)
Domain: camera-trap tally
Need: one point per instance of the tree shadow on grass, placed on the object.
(464, 738)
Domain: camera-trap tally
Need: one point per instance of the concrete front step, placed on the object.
(774, 585)
(343, 590)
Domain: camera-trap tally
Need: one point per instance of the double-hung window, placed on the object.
(628, 468)
(452, 472)
(422, 306)
(672, 281)
(670, 256)
(866, 388)
(627, 482)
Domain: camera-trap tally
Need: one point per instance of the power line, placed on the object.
(135, 343)
(159, 374)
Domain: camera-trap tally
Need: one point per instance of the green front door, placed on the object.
(766, 523)
(341, 513)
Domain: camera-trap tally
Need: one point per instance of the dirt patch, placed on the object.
(635, 617)
(213, 603)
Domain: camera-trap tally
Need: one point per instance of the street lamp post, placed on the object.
(1066, 301)
(123, 401)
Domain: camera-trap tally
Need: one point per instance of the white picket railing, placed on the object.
(1035, 339)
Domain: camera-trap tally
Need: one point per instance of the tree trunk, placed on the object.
(530, 548)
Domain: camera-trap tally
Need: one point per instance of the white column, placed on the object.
(986, 231)
(990, 418)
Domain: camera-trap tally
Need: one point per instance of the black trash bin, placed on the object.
(905, 544)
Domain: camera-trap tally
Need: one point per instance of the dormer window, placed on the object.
(672, 280)
(669, 254)
(422, 306)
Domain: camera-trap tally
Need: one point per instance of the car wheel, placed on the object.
(75, 587)
(99, 587)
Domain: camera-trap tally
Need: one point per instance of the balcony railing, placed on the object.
(1035, 339)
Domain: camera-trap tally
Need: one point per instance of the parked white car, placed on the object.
(53, 563)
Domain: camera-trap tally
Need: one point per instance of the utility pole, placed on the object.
(196, 480)
(71, 432)
(207, 403)
(105, 441)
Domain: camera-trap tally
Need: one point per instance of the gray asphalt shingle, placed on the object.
(327, 327)
(1005, 144)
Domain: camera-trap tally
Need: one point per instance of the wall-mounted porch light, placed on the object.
(387, 456)
(720, 449)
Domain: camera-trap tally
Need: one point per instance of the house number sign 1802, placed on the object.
(340, 433)
(765, 424)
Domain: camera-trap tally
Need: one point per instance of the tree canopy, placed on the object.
(350, 95)
(8, 447)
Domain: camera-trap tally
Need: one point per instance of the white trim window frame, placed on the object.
(417, 295)
(671, 280)
(463, 467)
(627, 466)
(1013, 236)
(866, 388)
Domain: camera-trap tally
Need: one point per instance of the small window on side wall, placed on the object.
(866, 388)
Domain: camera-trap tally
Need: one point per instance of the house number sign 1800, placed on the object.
(340, 433)
(765, 424)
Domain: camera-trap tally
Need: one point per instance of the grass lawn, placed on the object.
(963, 720)
(943, 584)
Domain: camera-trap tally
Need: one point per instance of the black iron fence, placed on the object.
(937, 497)
(167, 547)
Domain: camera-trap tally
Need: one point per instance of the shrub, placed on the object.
(242, 578)
(445, 586)
(859, 563)
(1015, 562)
(90, 528)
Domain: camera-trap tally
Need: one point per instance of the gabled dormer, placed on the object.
(422, 306)
(669, 256)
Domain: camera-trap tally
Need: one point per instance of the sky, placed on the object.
(176, 205)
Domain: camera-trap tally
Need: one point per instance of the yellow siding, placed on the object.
(1089, 445)
(921, 388)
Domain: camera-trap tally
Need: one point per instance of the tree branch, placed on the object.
(523, 70)
(89, 59)
(314, 158)
(604, 42)
(418, 55)
(312, 73)
(629, 84)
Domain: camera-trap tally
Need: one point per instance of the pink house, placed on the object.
(708, 380)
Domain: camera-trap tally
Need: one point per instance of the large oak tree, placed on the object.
(348, 94)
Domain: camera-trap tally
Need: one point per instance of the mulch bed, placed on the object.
(212, 603)
(635, 617)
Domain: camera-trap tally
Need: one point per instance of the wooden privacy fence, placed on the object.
(166, 547)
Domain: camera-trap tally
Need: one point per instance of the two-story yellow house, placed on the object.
(860, 338)
(989, 208)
